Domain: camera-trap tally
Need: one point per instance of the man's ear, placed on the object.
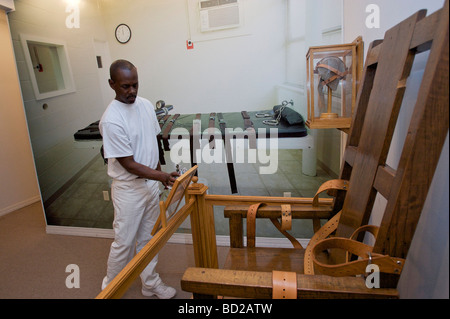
(111, 83)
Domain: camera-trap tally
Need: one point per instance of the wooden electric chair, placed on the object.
(334, 263)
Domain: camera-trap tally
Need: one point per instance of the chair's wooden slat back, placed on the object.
(362, 102)
(423, 145)
(387, 68)
(371, 141)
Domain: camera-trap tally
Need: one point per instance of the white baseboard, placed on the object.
(22, 204)
(80, 231)
(223, 240)
(177, 238)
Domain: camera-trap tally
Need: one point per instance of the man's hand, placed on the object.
(146, 172)
(169, 179)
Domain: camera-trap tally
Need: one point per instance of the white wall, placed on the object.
(225, 74)
(51, 130)
(18, 185)
(426, 271)
(323, 27)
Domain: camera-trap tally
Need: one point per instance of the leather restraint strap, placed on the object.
(337, 74)
(251, 227)
(334, 70)
(167, 131)
(365, 228)
(319, 235)
(330, 187)
(386, 264)
(222, 124)
(248, 124)
(211, 125)
(162, 121)
(198, 117)
(228, 154)
(291, 238)
(251, 224)
(284, 285)
(286, 217)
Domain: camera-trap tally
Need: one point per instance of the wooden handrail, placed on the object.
(119, 285)
(222, 200)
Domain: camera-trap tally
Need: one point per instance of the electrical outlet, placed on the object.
(106, 195)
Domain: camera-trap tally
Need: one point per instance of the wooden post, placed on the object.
(236, 231)
(203, 231)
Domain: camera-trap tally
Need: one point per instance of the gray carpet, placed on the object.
(33, 263)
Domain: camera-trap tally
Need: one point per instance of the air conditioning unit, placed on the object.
(219, 15)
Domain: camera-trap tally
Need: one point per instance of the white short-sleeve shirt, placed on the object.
(130, 130)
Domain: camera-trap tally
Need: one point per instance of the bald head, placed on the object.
(119, 65)
(124, 81)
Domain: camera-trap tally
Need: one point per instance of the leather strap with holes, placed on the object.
(286, 217)
(331, 185)
(251, 227)
(284, 285)
(321, 234)
(251, 224)
(291, 238)
(386, 264)
(365, 228)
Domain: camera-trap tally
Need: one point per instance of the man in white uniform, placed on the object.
(129, 129)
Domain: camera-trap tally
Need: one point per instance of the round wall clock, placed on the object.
(123, 33)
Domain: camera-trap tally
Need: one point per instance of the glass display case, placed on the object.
(333, 74)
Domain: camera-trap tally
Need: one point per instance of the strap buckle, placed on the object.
(369, 262)
(262, 115)
(271, 122)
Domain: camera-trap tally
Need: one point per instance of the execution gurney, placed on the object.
(179, 126)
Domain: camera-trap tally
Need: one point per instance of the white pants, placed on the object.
(136, 210)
